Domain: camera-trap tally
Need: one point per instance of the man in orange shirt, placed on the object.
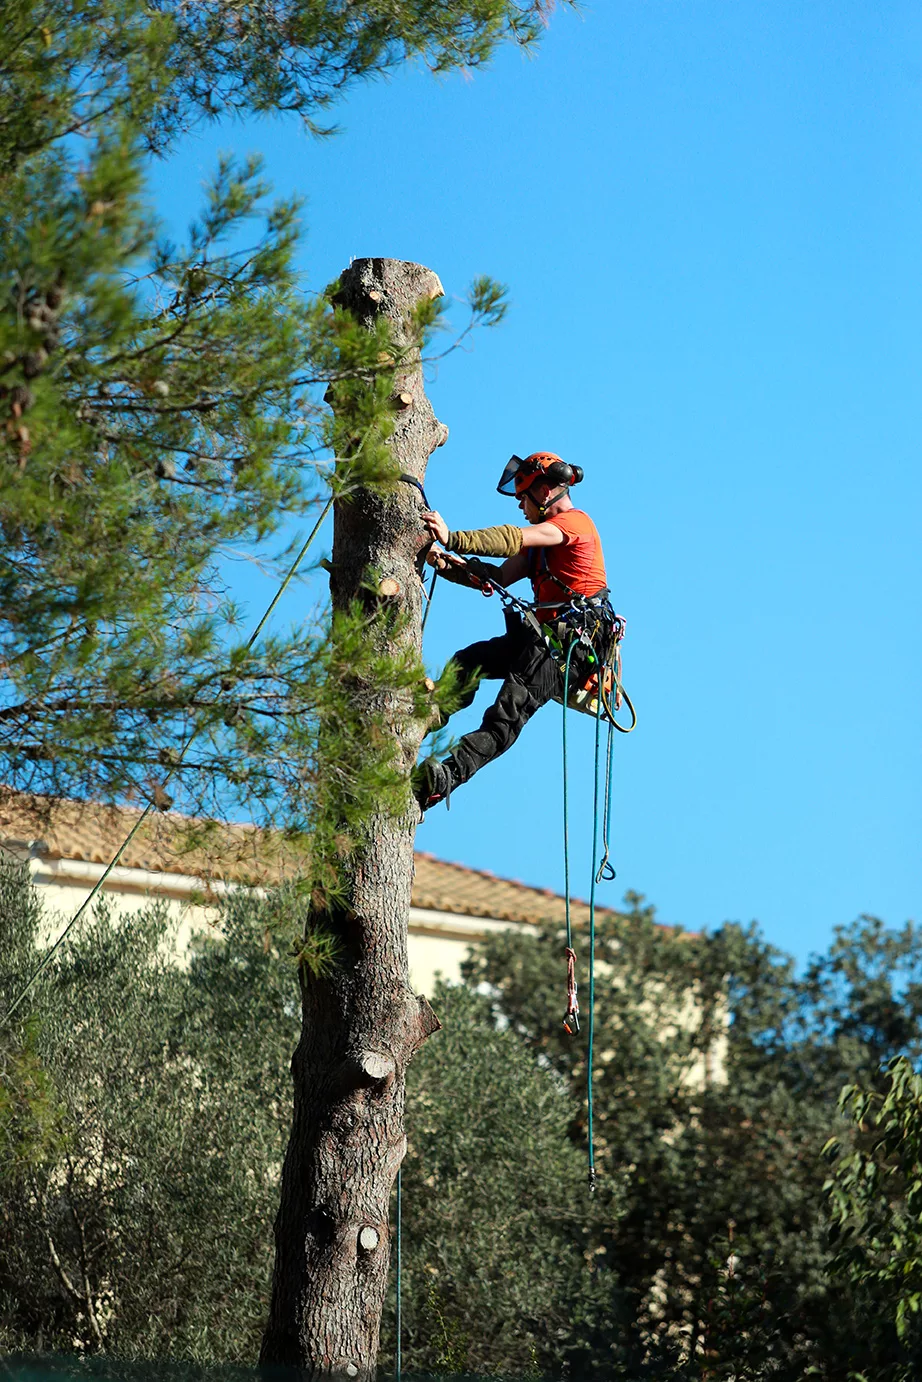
(561, 553)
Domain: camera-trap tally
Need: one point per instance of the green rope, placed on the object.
(297, 562)
(566, 808)
(598, 872)
(49, 956)
(82, 908)
(606, 872)
(399, 1321)
(595, 849)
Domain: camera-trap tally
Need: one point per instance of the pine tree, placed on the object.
(160, 406)
(361, 1021)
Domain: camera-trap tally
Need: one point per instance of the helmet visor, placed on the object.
(514, 467)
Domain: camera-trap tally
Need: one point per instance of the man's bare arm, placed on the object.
(542, 535)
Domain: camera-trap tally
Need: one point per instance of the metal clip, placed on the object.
(571, 1021)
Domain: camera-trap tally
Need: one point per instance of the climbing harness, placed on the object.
(582, 621)
(586, 616)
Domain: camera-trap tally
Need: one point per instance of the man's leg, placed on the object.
(489, 659)
(530, 679)
(524, 691)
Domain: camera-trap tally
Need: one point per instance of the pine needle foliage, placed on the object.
(214, 57)
(298, 56)
(161, 411)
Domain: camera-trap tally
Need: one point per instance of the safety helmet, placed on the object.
(519, 475)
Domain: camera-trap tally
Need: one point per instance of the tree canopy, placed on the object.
(161, 403)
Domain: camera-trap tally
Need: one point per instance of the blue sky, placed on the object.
(709, 219)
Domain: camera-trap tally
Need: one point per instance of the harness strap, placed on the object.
(545, 570)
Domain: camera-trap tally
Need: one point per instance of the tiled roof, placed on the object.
(91, 832)
(454, 888)
(165, 843)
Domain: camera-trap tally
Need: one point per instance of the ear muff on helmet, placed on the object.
(560, 473)
(519, 475)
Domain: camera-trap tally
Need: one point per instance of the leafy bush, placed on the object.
(144, 1110)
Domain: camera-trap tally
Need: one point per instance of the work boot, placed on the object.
(432, 783)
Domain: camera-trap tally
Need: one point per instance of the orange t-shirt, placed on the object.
(577, 561)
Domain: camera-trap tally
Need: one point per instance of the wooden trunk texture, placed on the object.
(362, 1025)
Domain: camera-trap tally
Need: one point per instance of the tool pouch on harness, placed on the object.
(593, 623)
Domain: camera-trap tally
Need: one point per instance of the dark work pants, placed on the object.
(530, 676)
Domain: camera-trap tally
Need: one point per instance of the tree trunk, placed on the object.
(362, 1024)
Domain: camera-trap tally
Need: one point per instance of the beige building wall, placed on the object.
(439, 942)
(453, 907)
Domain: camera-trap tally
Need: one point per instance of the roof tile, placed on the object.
(168, 842)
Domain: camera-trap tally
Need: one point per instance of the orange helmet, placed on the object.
(519, 475)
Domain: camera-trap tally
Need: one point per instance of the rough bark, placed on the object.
(362, 1025)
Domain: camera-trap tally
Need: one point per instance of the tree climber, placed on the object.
(561, 553)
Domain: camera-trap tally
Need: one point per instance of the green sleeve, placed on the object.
(504, 541)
